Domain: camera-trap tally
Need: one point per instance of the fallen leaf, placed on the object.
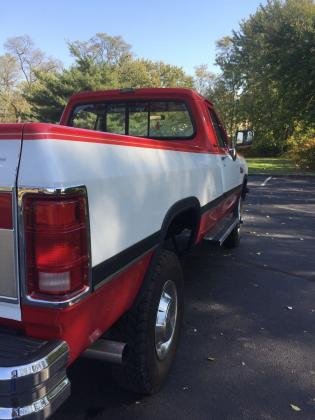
(211, 359)
(295, 407)
(138, 402)
(195, 330)
(301, 239)
(243, 364)
(185, 388)
(290, 308)
(268, 217)
(258, 253)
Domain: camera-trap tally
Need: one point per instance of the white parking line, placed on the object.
(280, 206)
(265, 181)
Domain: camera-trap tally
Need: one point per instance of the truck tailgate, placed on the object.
(10, 148)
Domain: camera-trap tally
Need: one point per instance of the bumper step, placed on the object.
(33, 380)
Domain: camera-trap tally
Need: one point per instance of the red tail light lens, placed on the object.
(56, 240)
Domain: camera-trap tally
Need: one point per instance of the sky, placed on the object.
(178, 32)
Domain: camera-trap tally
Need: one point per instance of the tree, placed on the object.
(30, 58)
(13, 106)
(103, 62)
(204, 79)
(270, 63)
(100, 49)
(18, 69)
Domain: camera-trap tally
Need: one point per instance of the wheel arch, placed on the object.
(189, 205)
(176, 210)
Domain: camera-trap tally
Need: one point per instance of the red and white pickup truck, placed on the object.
(94, 215)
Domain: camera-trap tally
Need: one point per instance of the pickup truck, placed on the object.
(95, 214)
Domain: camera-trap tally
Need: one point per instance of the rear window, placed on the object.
(155, 119)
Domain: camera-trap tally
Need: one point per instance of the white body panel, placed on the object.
(9, 160)
(130, 189)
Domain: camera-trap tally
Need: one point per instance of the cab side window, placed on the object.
(219, 131)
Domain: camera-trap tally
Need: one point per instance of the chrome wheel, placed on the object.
(166, 318)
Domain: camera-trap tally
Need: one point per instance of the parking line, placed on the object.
(265, 181)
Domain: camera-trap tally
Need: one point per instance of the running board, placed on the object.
(221, 236)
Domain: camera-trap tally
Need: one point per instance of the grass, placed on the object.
(274, 166)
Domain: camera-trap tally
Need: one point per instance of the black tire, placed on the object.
(233, 240)
(143, 371)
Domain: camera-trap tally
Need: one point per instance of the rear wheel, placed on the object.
(234, 237)
(152, 329)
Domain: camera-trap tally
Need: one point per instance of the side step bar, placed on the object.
(106, 350)
(221, 236)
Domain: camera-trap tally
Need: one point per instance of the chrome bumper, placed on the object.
(33, 380)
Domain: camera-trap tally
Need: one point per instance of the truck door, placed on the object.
(230, 168)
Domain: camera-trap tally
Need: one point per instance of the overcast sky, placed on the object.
(175, 31)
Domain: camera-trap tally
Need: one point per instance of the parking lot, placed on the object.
(248, 343)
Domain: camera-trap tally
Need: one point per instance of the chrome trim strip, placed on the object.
(8, 299)
(57, 191)
(61, 391)
(59, 304)
(6, 189)
(40, 367)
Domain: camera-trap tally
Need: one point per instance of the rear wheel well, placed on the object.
(182, 230)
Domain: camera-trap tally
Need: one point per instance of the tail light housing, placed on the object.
(57, 249)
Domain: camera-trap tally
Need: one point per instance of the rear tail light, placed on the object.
(57, 247)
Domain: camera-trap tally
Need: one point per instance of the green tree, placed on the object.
(270, 64)
(18, 68)
(103, 62)
(100, 49)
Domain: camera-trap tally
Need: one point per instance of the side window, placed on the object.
(86, 116)
(222, 140)
(170, 120)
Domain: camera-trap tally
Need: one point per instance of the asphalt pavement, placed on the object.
(248, 342)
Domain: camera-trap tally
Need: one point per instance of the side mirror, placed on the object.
(244, 138)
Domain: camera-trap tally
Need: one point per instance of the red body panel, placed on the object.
(11, 131)
(6, 221)
(210, 218)
(83, 323)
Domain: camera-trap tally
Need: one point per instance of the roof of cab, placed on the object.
(138, 93)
